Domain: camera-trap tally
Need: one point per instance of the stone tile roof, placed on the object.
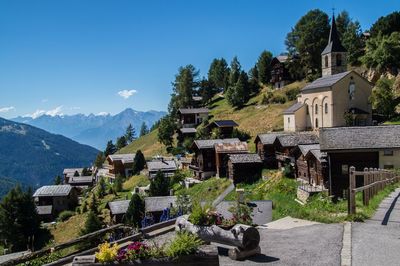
(155, 204)
(72, 171)
(325, 82)
(53, 191)
(124, 158)
(118, 206)
(292, 109)
(351, 138)
(80, 179)
(44, 210)
(163, 165)
(269, 138)
(320, 156)
(193, 110)
(245, 158)
(209, 143)
(297, 138)
(225, 123)
(305, 148)
(231, 147)
(188, 130)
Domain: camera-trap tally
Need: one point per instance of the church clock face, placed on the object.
(352, 90)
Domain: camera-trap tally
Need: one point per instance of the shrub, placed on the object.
(240, 134)
(65, 215)
(204, 215)
(107, 253)
(292, 93)
(277, 98)
(183, 244)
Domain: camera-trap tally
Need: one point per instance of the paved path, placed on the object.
(377, 241)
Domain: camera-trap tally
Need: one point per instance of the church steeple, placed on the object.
(334, 54)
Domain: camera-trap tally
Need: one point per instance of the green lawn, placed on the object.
(320, 208)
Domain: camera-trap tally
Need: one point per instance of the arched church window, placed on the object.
(326, 61)
(326, 108)
(352, 90)
(338, 59)
(316, 109)
(316, 122)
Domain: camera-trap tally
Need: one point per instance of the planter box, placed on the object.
(207, 255)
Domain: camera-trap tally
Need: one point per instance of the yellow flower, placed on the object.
(107, 253)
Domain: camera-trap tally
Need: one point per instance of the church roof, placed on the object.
(334, 44)
(326, 81)
(292, 109)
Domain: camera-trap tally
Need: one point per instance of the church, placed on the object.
(338, 98)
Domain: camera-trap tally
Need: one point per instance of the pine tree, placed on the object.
(264, 67)
(94, 204)
(239, 94)
(218, 74)
(117, 186)
(76, 173)
(121, 142)
(130, 134)
(159, 186)
(143, 129)
(99, 160)
(110, 149)
(138, 163)
(166, 131)
(57, 180)
(92, 224)
(135, 212)
(234, 72)
(101, 188)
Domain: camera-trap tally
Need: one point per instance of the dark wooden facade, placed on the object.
(267, 154)
(243, 172)
(203, 163)
(279, 74)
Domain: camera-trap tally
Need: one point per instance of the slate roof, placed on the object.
(188, 130)
(163, 165)
(297, 138)
(325, 82)
(292, 109)
(155, 204)
(124, 158)
(44, 210)
(80, 179)
(224, 123)
(72, 171)
(118, 207)
(193, 110)
(209, 143)
(305, 148)
(269, 138)
(53, 191)
(282, 58)
(231, 147)
(245, 158)
(261, 210)
(351, 138)
(320, 156)
(334, 44)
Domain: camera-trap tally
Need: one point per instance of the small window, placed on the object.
(316, 122)
(288, 120)
(345, 169)
(388, 166)
(307, 111)
(338, 59)
(326, 61)
(388, 152)
(352, 90)
(316, 109)
(326, 108)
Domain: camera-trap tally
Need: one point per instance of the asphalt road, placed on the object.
(377, 241)
(318, 244)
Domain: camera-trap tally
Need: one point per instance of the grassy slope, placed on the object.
(253, 118)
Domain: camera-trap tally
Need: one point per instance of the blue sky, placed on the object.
(81, 56)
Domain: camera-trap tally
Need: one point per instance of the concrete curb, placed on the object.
(346, 245)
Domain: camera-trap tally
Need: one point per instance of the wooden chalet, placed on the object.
(245, 167)
(154, 206)
(225, 127)
(71, 172)
(275, 148)
(118, 210)
(311, 165)
(192, 117)
(167, 167)
(120, 164)
(368, 146)
(51, 200)
(204, 160)
(222, 152)
(279, 74)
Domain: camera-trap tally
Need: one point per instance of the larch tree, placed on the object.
(264, 67)
(130, 133)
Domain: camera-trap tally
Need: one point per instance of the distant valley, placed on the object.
(33, 157)
(93, 130)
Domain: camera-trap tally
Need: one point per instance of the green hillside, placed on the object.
(254, 118)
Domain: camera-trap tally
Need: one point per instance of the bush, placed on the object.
(277, 98)
(65, 215)
(183, 244)
(107, 253)
(242, 135)
(292, 93)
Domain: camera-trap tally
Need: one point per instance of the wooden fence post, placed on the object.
(366, 182)
(352, 193)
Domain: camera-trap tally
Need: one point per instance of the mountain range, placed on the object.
(33, 157)
(93, 130)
